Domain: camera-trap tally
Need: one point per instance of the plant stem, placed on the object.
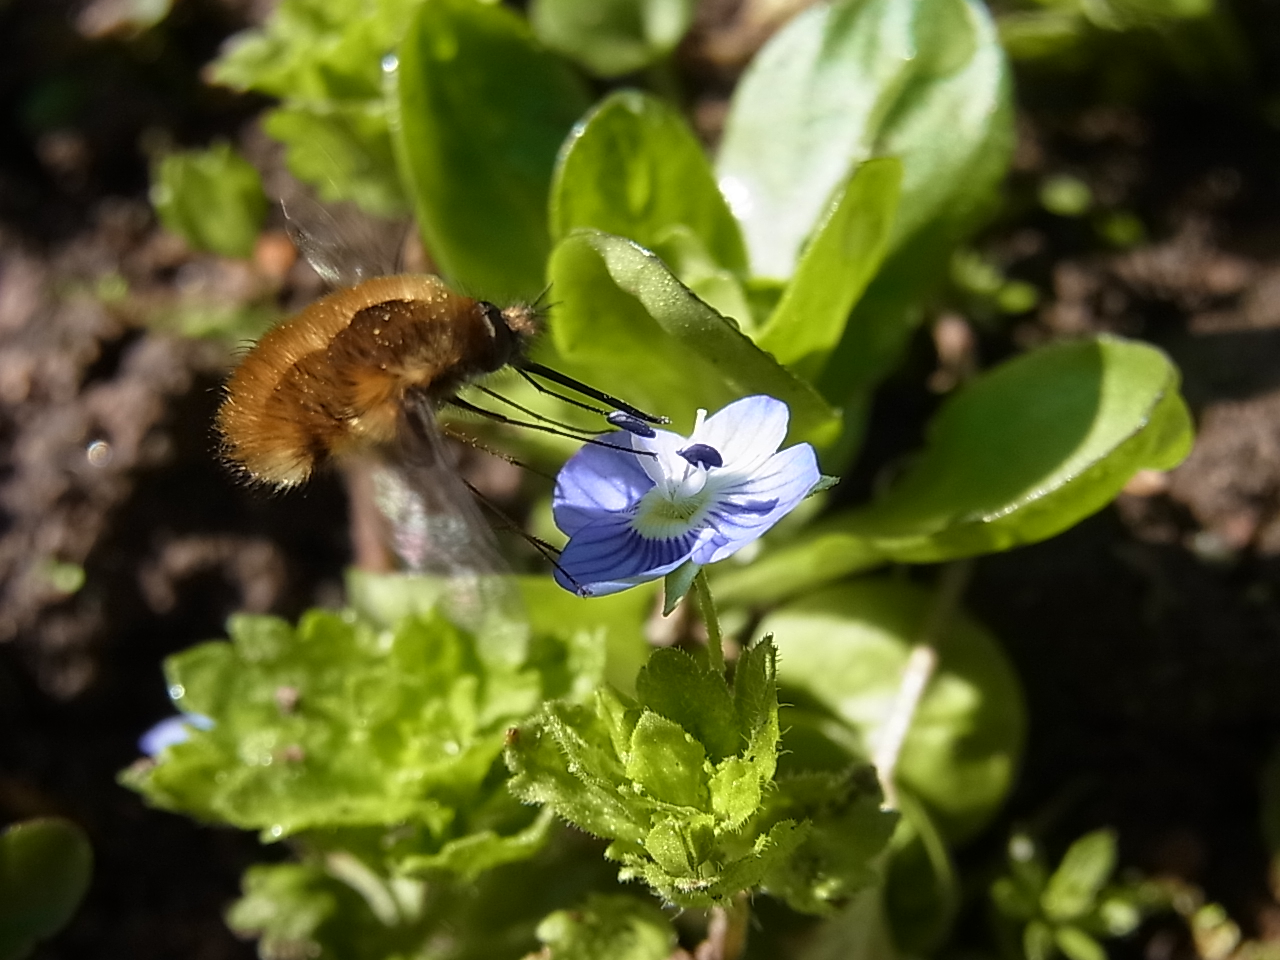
(921, 664)
(727, 931)
(707, 607)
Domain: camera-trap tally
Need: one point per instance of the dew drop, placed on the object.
(176, 692)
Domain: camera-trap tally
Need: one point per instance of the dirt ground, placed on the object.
(1148, 637)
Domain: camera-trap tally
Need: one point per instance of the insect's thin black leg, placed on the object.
(537, 416)
(503, 418)
(577, 386)
(548, 552)
(475, 444)
(543, 388)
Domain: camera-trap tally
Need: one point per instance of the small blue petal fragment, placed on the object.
(172, 731)
(702, 455)
(625, 421)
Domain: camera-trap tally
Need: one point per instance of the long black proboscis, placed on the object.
(503, 418)
(555, 376)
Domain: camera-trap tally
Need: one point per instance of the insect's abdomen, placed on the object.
(334, 377)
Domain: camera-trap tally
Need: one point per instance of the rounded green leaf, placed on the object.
(634, 168)
(1073, 888)
(611, 37)
(623, 317)
(1019, 454)
(45, 868)
(483, 111)
(844, 254)
(923, 80)
(847, 646)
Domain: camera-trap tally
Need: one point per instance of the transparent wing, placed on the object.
(341, 242)
(438, 530)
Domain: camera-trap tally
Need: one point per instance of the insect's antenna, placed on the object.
(577, 386)
(537, 416)
(537, 301)
(549, 553)
(503, 418)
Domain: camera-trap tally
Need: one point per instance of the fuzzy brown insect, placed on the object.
(337, 377)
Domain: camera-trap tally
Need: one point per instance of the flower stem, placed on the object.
(707, 607)
(727, 932)
(921, 664)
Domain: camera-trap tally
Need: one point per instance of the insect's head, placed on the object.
(512, 329)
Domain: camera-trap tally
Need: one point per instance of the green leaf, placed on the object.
(344, 150)
(611, 37)
(668, 763)
(836, 266)
(634, 168)
(691, 694)
(483, 111)
(1037, 941)
(1085, 868)
(676, 584)
(326, 59)
(1078, 945)
(847, 81)
(845, 831)
(388, 731)
(616, 926)
(623, 317)
(211, 198)
(847, 647)
(1017, 455)
(45, 868)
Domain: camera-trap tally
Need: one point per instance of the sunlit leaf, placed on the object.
(1017, 455)
(848, 646)
(611, 37)
(483, 110)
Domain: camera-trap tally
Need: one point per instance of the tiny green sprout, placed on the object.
(1065, 195)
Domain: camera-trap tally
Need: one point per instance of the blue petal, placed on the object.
(746, 433)
(171, 731)
(740, 515)
(608, 555)
(597, 482)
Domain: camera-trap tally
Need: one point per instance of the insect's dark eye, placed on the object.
(504, 341)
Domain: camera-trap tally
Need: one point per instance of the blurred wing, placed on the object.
(438, 530)
(343, 244)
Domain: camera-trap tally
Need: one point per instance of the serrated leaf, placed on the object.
(611, 37)
(847, 646)
(483, 111)
(845, 830)
(668, 763)
(1017, 455)
(755, 689)
(624, 317)
(1085, 868)
(45, 868)
(692, 695)
(616, 926)
(837, 264)
(737, 787)
(211, 198)
(633, 168)
(679, 846)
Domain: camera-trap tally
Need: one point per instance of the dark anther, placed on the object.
(702, 455)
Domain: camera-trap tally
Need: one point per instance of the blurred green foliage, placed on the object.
(45, 868)
(211, 198)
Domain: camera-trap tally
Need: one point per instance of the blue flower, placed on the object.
(636, 516)
(171, 731)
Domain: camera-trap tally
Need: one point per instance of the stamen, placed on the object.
(702, 455)
(625, 421)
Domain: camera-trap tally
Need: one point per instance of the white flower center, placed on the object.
(677, 504)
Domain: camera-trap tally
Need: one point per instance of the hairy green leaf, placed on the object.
(616, 926)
